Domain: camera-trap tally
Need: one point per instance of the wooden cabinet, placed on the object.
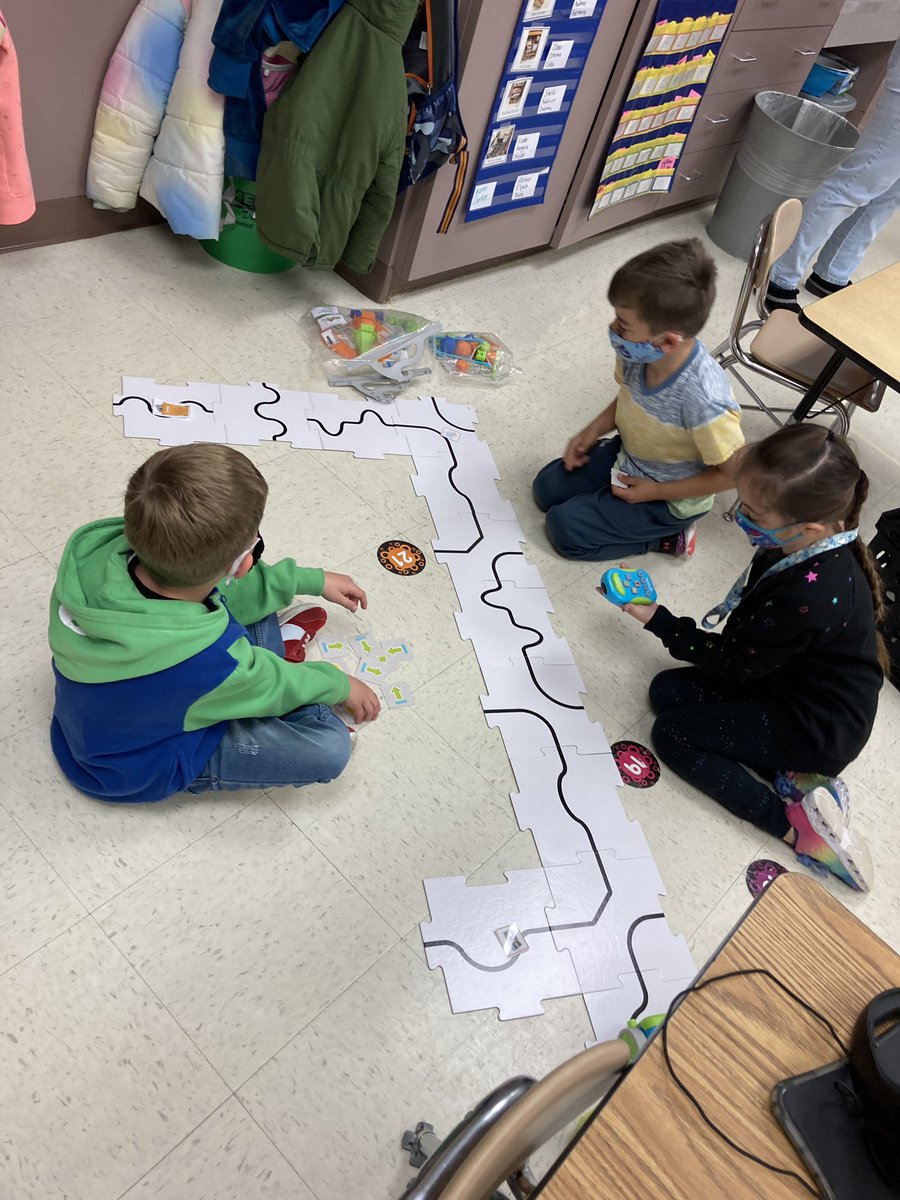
(762, 57)
(771, 44)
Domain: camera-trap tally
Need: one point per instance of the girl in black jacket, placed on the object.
(789, 688)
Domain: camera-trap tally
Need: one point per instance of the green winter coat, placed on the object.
(332, 143)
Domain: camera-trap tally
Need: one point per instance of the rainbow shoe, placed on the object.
(794, 785)
(824, 841)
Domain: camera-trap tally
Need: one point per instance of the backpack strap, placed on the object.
(461, 158)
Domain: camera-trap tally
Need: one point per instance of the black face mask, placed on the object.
(259, 549)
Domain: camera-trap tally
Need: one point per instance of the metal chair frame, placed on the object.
(732, 352)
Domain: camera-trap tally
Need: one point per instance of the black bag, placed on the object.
(435, 132)
(885, 548)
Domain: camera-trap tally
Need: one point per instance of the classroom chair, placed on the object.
(776, 346)
(492, 1144)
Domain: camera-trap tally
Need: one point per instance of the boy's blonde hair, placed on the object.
(191, 510)
(672, 287)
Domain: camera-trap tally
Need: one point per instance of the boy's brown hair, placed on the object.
(671, 287)
(191, 510)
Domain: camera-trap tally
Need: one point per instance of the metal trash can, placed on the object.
(788, 148)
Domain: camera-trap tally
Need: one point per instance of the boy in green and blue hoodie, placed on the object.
(167, 681)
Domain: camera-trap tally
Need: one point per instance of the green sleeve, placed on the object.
(267, 588)
(264, 685)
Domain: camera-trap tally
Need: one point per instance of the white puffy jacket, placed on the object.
(158, 128)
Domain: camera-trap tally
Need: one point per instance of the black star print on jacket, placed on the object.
(802, 641)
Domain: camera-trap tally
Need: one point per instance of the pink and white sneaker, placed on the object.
(681, 544)
(299, 630)
(824, 840)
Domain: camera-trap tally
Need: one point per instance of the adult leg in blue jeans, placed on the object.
(848, 209)
(308, 745)
(585, 520)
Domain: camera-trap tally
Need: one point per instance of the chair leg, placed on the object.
(758, 400)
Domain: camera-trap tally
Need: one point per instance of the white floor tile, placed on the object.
(99, 849)
(228, 1157)
(13, 544)
(385, 1055)
(96, 1078)
(73, 473)
(407, 808)
(417, 608)
(37, 905)
(27, 694)
(245, 936)
(253, 931)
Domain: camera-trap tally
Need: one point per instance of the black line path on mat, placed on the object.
(549, 928)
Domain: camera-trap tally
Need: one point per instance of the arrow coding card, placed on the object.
(332, 648)
(396, 651)
(365, 643)
(397, 695)
(371, 670)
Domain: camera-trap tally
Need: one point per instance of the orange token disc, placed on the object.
(401, 558)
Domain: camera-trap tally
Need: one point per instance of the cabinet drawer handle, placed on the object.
(691, 178)
(805, 53)
(717, 120)
(748, 58)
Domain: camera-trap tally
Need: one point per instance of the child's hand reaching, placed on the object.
(641, 612)
(341, 589)
(362, 701)
(578, 451)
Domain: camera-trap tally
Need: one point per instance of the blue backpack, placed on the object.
(435, 133)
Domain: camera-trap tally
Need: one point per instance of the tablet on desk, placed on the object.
(822, 1118)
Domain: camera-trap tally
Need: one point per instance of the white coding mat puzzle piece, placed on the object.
(646, 995)
(468, 544)
(261, 412)
(142, 417)
(461, 939)
(363, 428)
(435, 412)
(561, 681)
(597, 912)
(589, 814)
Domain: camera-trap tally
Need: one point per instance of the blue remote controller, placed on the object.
(621, 586)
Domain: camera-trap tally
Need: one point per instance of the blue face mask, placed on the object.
(763, 539)
(636, 352)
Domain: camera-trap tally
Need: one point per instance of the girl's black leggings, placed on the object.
(708, 731)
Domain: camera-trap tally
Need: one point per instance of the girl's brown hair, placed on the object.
(811, 474)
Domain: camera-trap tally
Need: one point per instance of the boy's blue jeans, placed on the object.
(584, 518)
(308, 745)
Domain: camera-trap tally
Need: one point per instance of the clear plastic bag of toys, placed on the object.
(478, 357)
(364, 341)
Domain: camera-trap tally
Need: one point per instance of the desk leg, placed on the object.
(815, 390)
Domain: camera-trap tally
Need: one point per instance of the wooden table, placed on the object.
(730, 1044)
(861, 323)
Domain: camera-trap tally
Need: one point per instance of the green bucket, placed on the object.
(239, 244)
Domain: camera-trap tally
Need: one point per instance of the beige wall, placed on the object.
(63, 47)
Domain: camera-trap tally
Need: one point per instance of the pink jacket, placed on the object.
(16, 193)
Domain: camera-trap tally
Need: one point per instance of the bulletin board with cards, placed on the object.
(543, 69)
(668, 85)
